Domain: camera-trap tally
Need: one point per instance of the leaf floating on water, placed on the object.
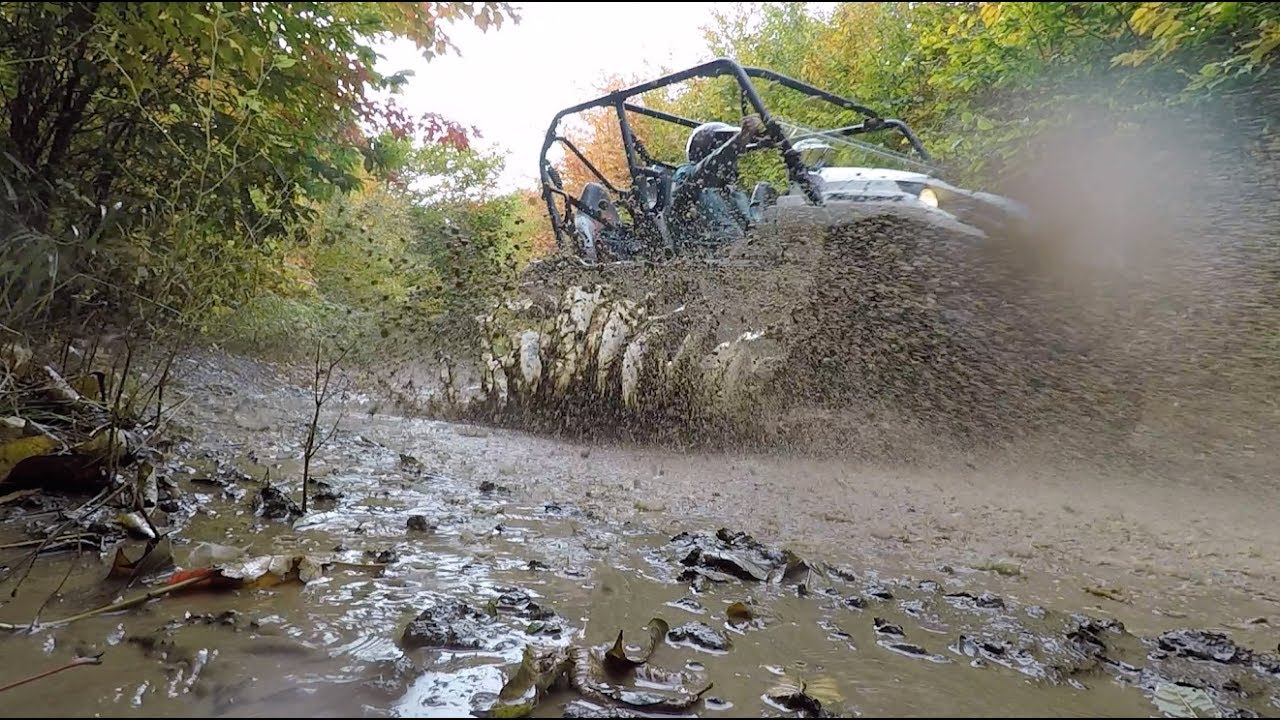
(536, 674)
(157, 556)
(789, 695)
(824, 690)
(798, 695)
(619, 657)
(656, 689)
(261, 571)
(1107, 593)
(519, 695)
(1184, 701)
(739, 614)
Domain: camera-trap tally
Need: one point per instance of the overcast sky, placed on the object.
(510, 83)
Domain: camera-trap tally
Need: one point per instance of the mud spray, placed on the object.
(1134, 320)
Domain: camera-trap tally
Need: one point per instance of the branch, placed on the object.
(123, 604)
(88, 660)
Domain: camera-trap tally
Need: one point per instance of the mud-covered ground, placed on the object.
(985, 587)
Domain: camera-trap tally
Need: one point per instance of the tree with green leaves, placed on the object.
(166, 150)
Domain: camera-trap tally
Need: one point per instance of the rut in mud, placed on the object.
(433, 559)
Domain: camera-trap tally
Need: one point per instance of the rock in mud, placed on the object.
(324, 492)
(968, 601)
(1087, 634)
(273, 504)
(449, 624)
(736, 554)
(584, 709)
(912, 650)
(884, 627)
(878, 592)
(383, 557)
(517, 602)
(419, 523)
(1000, 652)
(1203, 645)
(699, 635)
(688, 604)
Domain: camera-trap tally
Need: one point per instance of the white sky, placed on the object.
(509, 83)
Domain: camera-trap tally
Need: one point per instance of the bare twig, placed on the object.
(134, 601)
(320, 394)
(88, 660)
(70, 566)
(78, 538)
(93, 504)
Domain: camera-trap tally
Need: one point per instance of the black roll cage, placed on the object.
(641, 175)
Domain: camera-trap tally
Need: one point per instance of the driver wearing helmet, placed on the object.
(707, 206)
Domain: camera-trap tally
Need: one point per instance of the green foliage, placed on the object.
(977, 80)
(193, 142)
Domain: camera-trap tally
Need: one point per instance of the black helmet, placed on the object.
(706, 138)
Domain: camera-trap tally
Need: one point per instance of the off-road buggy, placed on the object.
(870, 299)
(604, 221)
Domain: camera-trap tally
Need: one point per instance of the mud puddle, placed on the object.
(437, 582)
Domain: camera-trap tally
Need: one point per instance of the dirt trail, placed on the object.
(1178, 550)
(1195, 547)
(957, 591)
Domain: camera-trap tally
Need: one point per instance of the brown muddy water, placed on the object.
(554, 545)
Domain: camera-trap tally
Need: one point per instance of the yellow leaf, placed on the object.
(1268, 42)
(990, 13)
(16, 451)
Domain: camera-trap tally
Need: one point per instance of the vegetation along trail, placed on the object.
(303, 412)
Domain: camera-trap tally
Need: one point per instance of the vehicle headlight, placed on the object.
(929, 197)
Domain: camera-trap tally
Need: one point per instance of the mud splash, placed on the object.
(485, 556)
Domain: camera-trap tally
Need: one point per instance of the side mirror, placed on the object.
(814, 153)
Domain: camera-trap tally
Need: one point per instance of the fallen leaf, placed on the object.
(1108, 593)
(157, 556)
(136, 524)
(519, 695)
(106, 444)
(15, 451)
(1184, 701)
(261, 571)
(738, 614)
(15, 358)
(619, 657)
(91, 385)
(797, 695)
(655, 689)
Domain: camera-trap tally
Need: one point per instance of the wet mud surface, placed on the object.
(787, 587)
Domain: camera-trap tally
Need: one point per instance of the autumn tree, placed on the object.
(165, 150)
